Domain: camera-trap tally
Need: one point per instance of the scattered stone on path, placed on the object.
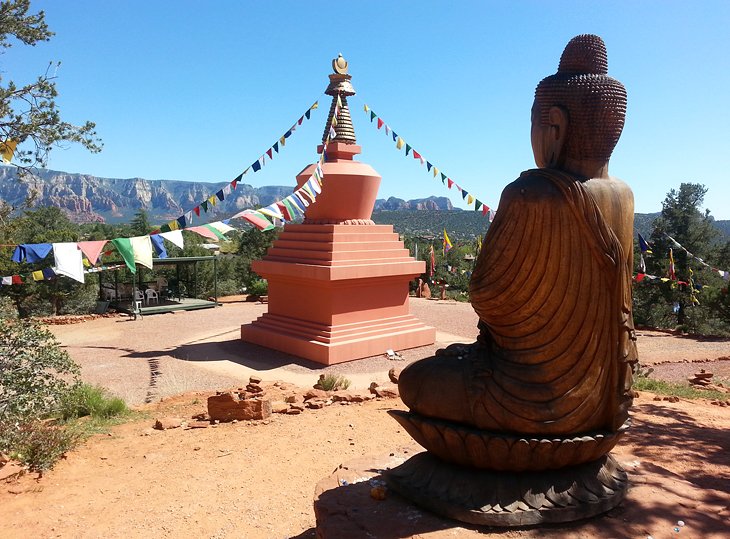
(701, 378)
(198, 424)
(388, 391)
(394, 374)
(296, 398)
(11, 470)
(314, 404)
(279, 407)
(671, 398)
(226, 407)
(315, 394)
(167, 423)
(351, 396)
(254, 380)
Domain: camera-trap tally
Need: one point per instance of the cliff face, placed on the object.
(88, 198)
(430, 203)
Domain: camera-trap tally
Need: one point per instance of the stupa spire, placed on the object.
(341, 86)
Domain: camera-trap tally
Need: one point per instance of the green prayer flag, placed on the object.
(443, 177)
(204, 205)
(124, 246)
(408, 148)
(215, 231)
(372, 116)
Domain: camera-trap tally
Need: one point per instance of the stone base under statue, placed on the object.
(352, 502)
(510, 499)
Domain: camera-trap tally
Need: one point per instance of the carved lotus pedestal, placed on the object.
(496, 479)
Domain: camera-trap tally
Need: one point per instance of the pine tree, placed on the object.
(671, 304)
(30, 122)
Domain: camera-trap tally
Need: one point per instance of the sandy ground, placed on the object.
(256, 479)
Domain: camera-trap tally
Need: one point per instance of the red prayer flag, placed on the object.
(17, 280)
(416, 155)
(485, 209)
(451, 182)
(640, 277)
(268, 152)
(284, 211)
(196, 209)
(380, 123)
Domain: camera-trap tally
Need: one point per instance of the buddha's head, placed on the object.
(579, 112)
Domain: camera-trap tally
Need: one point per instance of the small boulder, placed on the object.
(167, 423)
(315, 394)
(227, 407)
(279, 407)
(388, 391)
(394, 374)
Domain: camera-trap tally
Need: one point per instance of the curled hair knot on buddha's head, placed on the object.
(594, 102)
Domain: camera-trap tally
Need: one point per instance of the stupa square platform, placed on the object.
(338, 293)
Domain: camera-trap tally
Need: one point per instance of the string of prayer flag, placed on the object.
(400, 143)
(187, 219)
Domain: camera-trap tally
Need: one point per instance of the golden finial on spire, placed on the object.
(339, 65)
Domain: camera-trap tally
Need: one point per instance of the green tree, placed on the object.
(140, 224)
(671, 304)
(34, 370)
(29, 116)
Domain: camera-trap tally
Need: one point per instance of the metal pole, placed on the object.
(215, 280)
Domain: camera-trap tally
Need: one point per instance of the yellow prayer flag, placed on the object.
(334, 121)
(339, 101)
(435, 172)
(173, 225)
(469, 199)
(282, 141)
(367, 109)
(316, 105)
(400, 143)
(7, 149)
(37, 275)
(213, 200)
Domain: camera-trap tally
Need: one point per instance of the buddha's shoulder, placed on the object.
(532, 185)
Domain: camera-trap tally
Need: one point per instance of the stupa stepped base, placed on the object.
(329, 344)
(338, 293)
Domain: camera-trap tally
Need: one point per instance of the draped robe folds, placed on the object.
(552, 289)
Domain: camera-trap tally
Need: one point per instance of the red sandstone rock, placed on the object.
(316, 394)
(315, 404)
(227, 407)
(279, 407)
(394, 374)
(349, 396)
(254, 379)
(295, 399)
(11, 470)
(198, 424)
(166, 423)
(389, 391)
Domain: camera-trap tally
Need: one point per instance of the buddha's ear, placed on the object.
(558, 122)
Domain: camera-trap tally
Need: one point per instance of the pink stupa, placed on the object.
(338, 283)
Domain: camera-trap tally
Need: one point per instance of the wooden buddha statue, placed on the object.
(548, 382)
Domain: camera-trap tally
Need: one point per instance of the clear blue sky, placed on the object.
(191, 90)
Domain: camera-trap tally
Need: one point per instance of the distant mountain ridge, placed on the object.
(85, 198)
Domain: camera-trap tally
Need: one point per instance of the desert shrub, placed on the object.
(7, 309)
(333, 382)
(36, 443)
(258, 287)
(89, 400)
(35, 372)
(685, 391)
